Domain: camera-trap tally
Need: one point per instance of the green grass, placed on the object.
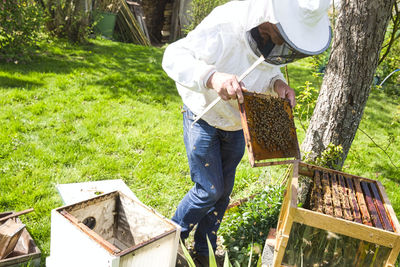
(107, 110)
(380, 122)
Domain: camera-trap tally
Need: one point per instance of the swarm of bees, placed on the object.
(269, 123)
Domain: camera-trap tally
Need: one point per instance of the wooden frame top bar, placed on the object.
(345, 227)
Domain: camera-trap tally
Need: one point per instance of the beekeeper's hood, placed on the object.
(303, 24)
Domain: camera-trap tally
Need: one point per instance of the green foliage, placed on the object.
(246, 227)
(211, 255)
(329, 157)
(112, 6)
(390, 54)
(305, 103)
(212, 260)
(20, 25)
(187, 255)
(200, 9)
(68, 19)
(396, 119)
(390, 64)
(320, 61)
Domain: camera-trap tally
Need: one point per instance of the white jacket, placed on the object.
(219, 43)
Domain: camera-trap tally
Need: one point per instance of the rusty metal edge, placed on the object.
(92, 234)
(151, 240)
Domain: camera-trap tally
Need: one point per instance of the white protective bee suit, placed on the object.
(220, 43)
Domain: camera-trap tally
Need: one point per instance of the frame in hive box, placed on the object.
(268, 129)
(321, 234)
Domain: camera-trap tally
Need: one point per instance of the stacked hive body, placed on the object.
(346, 221)
(352, 199)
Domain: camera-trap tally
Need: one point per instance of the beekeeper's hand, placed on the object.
(283, 90)
(227, 86)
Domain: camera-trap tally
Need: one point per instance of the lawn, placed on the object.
(106, 110)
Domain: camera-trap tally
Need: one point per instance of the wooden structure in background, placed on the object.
(180, 18)
(320, 235)
(131, 25)
(137, 11)
(165, 19)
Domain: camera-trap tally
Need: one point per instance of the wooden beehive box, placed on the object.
(330, 231)
(10, 231)
(25, 251)
(111, 230)
(269, 130)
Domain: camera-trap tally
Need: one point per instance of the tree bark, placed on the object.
(359, 34)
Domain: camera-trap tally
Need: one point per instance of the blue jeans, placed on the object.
(213, 156)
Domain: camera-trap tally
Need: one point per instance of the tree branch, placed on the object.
(384, 151)
(393, 37)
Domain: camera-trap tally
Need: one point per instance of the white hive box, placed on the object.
(111, 230)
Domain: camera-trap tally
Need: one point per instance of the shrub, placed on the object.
(246, 227)
(390, 64)
(331, 157)
(390, 57)
(305, 104)
(320, 61)
(20, 25)
(199, 10)
(69, 19)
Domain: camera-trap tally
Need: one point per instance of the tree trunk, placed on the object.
(360, 31)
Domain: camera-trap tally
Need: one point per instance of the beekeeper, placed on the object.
(206, 64)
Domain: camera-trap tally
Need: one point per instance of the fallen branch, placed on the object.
(16, 214)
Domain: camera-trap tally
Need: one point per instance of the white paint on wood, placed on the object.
(76, 192)
(157, 253)
(69, 246)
